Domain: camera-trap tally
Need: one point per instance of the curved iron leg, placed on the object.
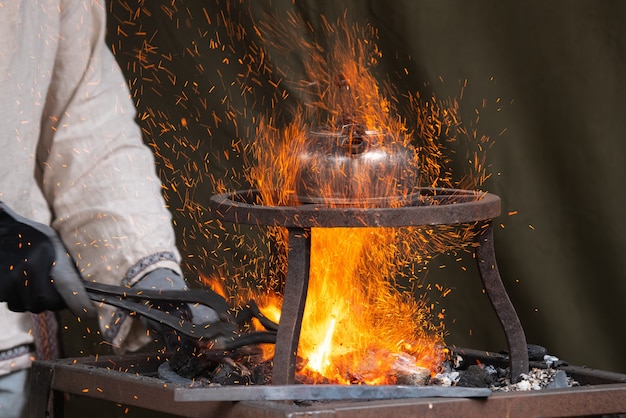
(296, 287)
(516, 340)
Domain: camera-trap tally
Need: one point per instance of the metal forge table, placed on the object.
(133, 381)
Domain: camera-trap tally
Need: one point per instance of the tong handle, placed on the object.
(128, 298)
(204, 297)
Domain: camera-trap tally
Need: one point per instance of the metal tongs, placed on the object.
(227, 329)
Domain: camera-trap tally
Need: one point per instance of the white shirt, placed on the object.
(71, 154)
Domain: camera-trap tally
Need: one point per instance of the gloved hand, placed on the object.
(163, 279)
(36, 272)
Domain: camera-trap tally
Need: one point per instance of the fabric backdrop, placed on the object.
(547, 79)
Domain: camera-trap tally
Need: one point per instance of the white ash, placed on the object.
(449, 376)
(498, 379)
(537, 379)
(407, 373)
(550, 360)
(445, 379)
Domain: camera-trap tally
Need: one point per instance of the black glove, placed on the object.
(36, 272)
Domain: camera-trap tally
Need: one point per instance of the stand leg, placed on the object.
(516, 340)
(296, 287)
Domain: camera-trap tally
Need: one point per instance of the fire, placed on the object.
(319, 359)
(360, 325)
(362, 322)
(355, 319)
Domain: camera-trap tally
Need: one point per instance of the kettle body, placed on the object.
(353, 165)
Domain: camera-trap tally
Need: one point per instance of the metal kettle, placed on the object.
(353, 165)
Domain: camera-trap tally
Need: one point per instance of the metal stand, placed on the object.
(296, 287)
(430, 207)
(513, 331)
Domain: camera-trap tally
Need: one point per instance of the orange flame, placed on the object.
(360, 325)
(354, 310)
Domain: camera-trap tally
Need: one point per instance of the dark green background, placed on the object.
(548, 80)
(551, 75)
